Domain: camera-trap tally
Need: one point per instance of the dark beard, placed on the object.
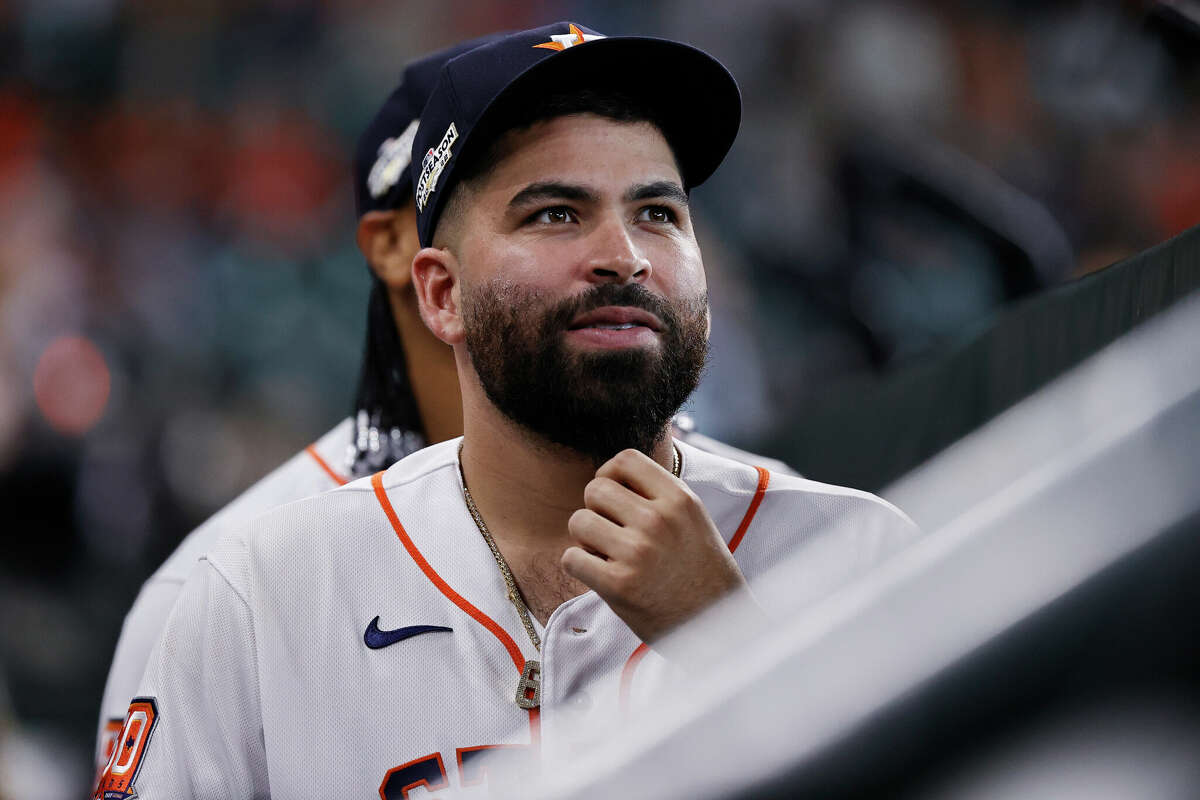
(596, 403)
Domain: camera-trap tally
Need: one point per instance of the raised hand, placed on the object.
(648, 547)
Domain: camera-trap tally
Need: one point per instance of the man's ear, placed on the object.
(435, 277)
(388, 240)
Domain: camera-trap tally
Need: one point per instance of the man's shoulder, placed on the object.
(307, 472)
(833, 499)
(312, 471)
(346, 519)
(411, 473)
(710, 445)
(785, 492)
(422, 465)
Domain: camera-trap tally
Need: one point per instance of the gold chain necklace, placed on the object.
(529, 688)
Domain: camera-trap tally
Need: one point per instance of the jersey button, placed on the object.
(580, 702)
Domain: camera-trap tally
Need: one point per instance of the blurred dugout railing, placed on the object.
(923, 408)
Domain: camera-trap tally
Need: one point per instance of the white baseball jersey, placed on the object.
(361, 642)
(313, 470)
(309, 472)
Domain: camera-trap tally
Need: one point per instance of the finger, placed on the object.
(613, 500)
(640, 473)
(599, 535)
(593, 571)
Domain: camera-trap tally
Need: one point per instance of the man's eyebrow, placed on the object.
(667, 190)
(551, 190)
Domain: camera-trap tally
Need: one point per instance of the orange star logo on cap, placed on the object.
(564, 40)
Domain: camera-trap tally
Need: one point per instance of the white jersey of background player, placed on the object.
(392, 409)
(370, 639)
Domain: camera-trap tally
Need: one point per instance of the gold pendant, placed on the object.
(529, 690)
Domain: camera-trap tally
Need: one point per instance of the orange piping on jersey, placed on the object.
(535, 726)
(514, 652)
(483, 619)
(630, 667)
(764, 479)
(338, 479)
(635, 658)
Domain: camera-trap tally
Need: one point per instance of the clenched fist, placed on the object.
(648, 547)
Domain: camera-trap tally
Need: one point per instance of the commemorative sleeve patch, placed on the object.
(108, 740)
(117, 777)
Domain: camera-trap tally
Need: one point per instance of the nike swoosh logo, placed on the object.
(375, 638)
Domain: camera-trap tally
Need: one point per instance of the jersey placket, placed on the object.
(582, 650)
(505, 637)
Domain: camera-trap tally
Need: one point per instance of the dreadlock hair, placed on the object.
(387, 424)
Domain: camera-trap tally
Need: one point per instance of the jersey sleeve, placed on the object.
(307, 473)
(139, 633)
(848, 535)
(200, 732)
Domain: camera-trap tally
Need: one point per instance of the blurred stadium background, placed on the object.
(182, 304)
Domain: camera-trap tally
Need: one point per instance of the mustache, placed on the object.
(633, 295)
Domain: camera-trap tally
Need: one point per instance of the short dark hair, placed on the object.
(486, 147)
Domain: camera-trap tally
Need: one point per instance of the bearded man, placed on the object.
(385, 635)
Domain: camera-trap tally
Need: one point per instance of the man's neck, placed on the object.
(525, 489)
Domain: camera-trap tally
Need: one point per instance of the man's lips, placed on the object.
(615, 327)
(616, 318)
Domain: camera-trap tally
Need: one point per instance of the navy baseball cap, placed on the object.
(381, 174)
(696, 101)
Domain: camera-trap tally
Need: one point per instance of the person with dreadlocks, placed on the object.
(407, 395)
(408, 392)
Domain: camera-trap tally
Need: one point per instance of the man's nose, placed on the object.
(615, 257)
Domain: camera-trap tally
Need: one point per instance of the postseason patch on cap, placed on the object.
(432, 166)
(394, 155)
